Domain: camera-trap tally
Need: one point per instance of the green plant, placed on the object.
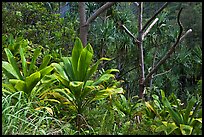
(26, 77)
(22, 119)
(79, 87)
(185, 121)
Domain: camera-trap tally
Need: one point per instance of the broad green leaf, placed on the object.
(198, 119)
(103, 78)
(175, 116)
(9, 70)
(45, 71)
(76, 88)
(21, 86)
(195, 111)
(169, 127)
(34, 58)
(62, 79)
(45, 62)
(78, 47)
(109, 71)
(94, 68)
(48, 78)
(186, 129)
(60, 70)
(68, 68)
(12, 61)
(9, 86)
(188, 110)
(31, 81)
(24, 63)
(84, 62)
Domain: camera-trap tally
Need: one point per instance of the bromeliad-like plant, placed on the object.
(185, 121)
(27, 78)
(80, 88)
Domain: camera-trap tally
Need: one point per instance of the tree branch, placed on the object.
(148, 29)
(171, 50)
(127, 31)
(150, 20)
(99, 11)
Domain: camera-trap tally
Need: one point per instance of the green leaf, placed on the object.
(68, 67)
(109, 71)
(9, 70)
(24, 63)
(76, 88)
(8, 86)
(186, 129)
(13, 63)
(60, 70)
(78, 47)
(62, 79)
(45, 62)
(32, 64)
(84, 62)
(45, 71)
(169, 127)
(188, 110)
(94, 68)
(18, 84)
(31, 81)
(103, 78)
(174, 115)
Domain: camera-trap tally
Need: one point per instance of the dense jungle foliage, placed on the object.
(53, 85)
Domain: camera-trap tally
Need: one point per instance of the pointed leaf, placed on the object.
(19, 85)
(188, 110)
(34, 58)
(94, 68)
(31, 81)
(186, 129)
(78, 47)
(103, 78)
(9, 70)
(24, 63)
(45, 71)
(84, 62)
(45, 62)
(12, 61)
(60, 70)
(68, 68)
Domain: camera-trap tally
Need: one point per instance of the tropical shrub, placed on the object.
(78, 87)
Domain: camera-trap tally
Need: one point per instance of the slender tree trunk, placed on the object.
(141, 55)
(83, 27)
(84, 24)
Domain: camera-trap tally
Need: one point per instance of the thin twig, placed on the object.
(171, 50)
(148, 29)
(150, 20)
(127, 31)
(162, 73)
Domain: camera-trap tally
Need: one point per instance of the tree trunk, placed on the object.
(83, 27)
(141, 55)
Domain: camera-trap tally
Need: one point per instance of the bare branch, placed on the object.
(171, 50)
(154, 16)
(127, 31)
(148, 29)
(99, 11)
(136, 3)
(187, 32)
(162, 73)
